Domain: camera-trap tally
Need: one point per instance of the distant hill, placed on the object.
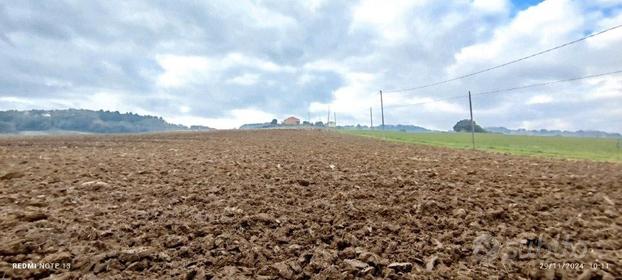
(390, 127)
(259, 125)
(546, 132)
(72, 120)
(200, 128)
(405, 128)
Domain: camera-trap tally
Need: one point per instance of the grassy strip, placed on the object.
(598, 149)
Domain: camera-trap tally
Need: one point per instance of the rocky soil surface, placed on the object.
(300, 205)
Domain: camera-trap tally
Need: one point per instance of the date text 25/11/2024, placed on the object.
(574, 265)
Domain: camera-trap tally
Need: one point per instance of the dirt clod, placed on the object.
(12, 175)
(174, 241)
(95, 185)
(460, 213)
(60, 257)
(431, 263)
(303, 182)
(132, 255)
(401, 267)
(283, 270)
(33, 217)
(355, 264)
(15, 248)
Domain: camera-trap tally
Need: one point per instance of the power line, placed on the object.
(426, 102)
(504, 90)
(506, 63)
(548, 83)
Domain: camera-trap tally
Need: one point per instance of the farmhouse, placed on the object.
(291, 121)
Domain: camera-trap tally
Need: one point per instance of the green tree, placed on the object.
(465, 126)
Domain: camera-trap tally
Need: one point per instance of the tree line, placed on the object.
(81, 120)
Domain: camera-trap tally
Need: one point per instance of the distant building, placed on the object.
(291, 121)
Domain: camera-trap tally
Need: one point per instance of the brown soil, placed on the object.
(300, 204)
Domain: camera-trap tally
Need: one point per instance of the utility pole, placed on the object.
(309, 117)
(371, 119)
(619, 147)
(472, 123)
(328, 117)
(382, 109)
(335, 118)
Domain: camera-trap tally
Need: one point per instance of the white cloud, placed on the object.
(314, 5)
(247, 79)
(441, 107)
(263, 17)
(107, 100)
(327, 65)
(553, 123)
(605, 88)
(539, 99)
(388, 18)
(180, 70)
(16, 103)
(491, 6)
(238, 59)
(51, 82)
(184, 109)
(537, 28)
(100, 100)
(234, 119)
(609, 39)
(354, 97)
(305, 79)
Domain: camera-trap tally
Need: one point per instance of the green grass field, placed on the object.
(599, 149)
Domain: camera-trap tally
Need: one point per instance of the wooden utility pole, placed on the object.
(472, 123)
(382, 109)
(619, 147)
(328, 117)
(371, 119)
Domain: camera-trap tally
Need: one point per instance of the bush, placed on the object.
(465, 126)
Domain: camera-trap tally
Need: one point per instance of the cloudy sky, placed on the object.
(225, 63)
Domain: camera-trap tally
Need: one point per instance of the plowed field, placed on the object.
(299, 205)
